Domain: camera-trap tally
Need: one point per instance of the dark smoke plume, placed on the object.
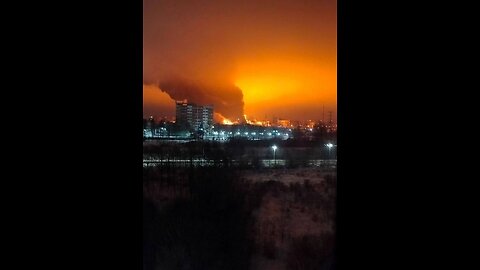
(226, 99)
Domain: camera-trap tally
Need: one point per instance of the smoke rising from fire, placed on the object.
(227, 100)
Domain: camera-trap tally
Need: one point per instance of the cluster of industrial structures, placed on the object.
(196, 122)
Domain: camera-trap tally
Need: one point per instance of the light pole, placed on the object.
(274, 149)
(329, 145)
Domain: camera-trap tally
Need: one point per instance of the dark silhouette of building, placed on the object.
(194, 116)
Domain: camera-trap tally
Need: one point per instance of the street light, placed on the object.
(329, 145)
(274, 149)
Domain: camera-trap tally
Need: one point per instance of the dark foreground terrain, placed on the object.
(226, 218)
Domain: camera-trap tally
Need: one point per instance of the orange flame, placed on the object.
(248, 121)
(256, 122)
(227, 122)
(219, 118)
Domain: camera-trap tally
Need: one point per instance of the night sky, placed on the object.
(262, 58)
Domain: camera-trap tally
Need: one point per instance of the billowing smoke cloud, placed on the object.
(227, 100)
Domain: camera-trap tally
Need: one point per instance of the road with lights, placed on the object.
(330, 163)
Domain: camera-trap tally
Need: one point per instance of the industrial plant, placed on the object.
(196, 122)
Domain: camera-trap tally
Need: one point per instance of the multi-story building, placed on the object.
(194, 116)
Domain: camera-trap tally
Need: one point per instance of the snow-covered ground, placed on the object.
(298, 207)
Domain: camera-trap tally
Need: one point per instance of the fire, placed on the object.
(248, 121)
(219, 118)
(255, 122)
(227, 122)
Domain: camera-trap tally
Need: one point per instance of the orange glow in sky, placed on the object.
(286, 82)
(282, 54)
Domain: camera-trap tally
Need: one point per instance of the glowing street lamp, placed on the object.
(274, 149)
(329, 145)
